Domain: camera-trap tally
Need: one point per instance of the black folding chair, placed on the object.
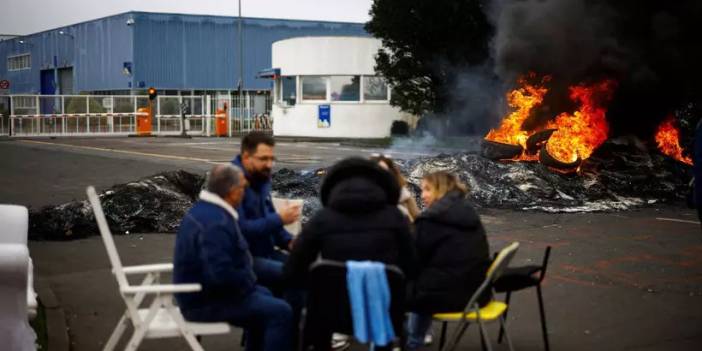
(518, 278)
(329, 310)
(473, 313)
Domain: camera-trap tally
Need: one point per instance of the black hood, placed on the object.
(452, 209)
(361, 180)
(357, 195)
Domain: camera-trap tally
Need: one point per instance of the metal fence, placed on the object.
(74, 125)
(90, 115)
(246, 113)
(4, 115)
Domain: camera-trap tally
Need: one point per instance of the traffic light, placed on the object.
(152, 93)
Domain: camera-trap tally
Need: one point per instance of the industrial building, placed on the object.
(324, 83)
(126, 53)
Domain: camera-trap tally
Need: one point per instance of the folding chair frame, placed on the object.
(539, 295)
(498, 265)
(396, 305)
(134, 296)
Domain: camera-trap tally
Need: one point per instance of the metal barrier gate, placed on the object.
(96, 115)
(73, 115)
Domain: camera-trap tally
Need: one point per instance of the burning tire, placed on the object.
(549, 161)
(499, 151)
(538, 140)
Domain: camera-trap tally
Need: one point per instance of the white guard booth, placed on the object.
(326, 87)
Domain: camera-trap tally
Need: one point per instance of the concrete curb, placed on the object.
(57, 331)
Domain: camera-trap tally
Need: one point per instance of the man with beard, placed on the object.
(261, 225)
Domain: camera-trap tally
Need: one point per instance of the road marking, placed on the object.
(677, 220)
(172, 157)
(203, 143)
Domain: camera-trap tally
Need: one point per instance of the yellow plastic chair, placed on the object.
(473, 313)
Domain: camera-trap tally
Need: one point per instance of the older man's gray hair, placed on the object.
(222, 178)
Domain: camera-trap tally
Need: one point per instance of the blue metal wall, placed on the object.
(96, 50)
(202, 52)
(102, 48)
(167, 51)
(42, 47)
(20, 81)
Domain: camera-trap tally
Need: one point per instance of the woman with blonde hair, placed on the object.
(406, 202)
(452, 250)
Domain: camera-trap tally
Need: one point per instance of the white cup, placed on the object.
(295, 227)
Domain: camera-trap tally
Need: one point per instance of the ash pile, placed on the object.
(153, 204)
(291, 184)
(620, 174)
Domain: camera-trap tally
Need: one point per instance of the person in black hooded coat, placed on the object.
(453, 254)
(359, 221)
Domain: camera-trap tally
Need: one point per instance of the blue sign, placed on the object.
(324, 116)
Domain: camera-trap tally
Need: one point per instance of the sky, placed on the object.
(23, 17)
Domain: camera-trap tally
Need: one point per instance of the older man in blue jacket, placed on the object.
(260, 223)
(210, 250)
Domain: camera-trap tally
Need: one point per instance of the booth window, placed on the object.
(19, 62)
(314, 88)
(288, 93)
(345, 88)
(375, 88)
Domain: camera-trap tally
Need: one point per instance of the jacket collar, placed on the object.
(214, 199)
(442, 205)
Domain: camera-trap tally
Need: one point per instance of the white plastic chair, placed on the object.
(14, 225)
(15, 332)
(162, 319)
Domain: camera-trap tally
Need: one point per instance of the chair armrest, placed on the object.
(148, 268)
(32, 304)
(14, 264)
(165, 288)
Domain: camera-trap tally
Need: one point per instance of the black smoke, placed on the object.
(651, 48)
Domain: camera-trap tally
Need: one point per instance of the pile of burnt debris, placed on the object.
(621, 174)
(153, 204)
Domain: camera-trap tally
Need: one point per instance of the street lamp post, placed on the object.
(241, 71)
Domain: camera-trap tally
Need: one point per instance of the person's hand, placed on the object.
(289, 213)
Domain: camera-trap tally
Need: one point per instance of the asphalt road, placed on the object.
(617, 281)
(40, 172)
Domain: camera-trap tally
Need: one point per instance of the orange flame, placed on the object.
(580, 133)
(668, 140)
(523, 100)
(577, 135)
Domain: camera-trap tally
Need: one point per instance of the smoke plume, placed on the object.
(651, 48)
